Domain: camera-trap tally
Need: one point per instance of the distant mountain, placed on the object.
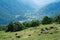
(51, 10)
(13, 11)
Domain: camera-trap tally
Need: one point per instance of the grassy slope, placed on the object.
(34, 32)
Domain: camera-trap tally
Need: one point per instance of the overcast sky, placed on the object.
(37, 3)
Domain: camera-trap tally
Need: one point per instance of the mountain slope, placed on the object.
(51, 10)
(11, 10)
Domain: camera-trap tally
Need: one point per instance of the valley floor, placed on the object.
(42, 32)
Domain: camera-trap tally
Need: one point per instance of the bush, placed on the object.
(26, 24)
(46, 20)
(32, 23)
(14, 27)
(19, 26)
(10, 27)
(2, 28)
(35, 23)
(57, 19)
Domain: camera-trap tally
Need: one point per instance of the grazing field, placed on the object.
(42, 32)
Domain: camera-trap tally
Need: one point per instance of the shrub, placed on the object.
(10, 27)
(46, 20)
(57, 19)
(32, 23)
(35, 23)
(2, 28)
(17, 26)
(26, 24)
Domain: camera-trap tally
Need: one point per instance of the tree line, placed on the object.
(17, 26)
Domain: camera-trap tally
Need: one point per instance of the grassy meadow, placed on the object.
(34, 33)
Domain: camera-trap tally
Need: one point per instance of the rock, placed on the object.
(51, 27)
(17, 36)
(29, 35)
(47, 29)
(56, 28)
(12, 39)
(51, 33)
(39, 34)
(42, 29)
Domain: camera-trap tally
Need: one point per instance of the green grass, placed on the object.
(35, 34)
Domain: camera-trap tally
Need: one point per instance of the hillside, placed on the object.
(33, 33)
